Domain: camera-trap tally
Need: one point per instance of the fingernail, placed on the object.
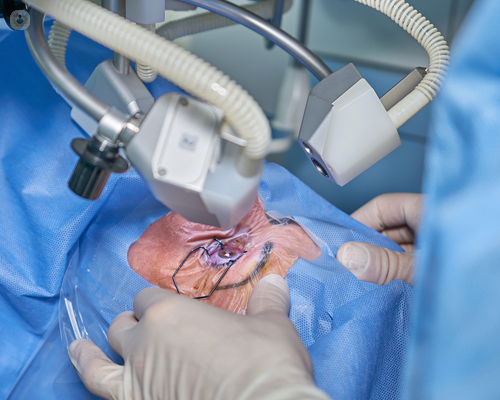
(355, 257)
(277, 281)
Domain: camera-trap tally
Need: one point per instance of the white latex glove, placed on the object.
(396, 216)
(178, 348)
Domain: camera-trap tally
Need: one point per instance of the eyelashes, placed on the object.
(222, 265)
(264, 258)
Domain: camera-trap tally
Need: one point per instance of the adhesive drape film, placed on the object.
(216, 266)
(355, 332)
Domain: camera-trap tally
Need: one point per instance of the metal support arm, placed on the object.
(288, 43)
(58, 75)
(96, 108)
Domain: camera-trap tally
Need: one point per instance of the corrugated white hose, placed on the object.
(58, 39)
(59, 33)
(431, 40)
(210, 21)
(201, 23)
(145, 72)
(181, 67)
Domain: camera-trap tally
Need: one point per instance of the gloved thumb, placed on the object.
(270, 295)
(375, 264)
(99, 374)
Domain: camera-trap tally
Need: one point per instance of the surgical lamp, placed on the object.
(201, 155)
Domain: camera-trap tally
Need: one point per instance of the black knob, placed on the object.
(97, 161)
(19, 19)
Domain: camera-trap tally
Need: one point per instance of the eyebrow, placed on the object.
(264, 258)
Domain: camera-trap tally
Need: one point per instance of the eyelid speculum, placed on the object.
(230, 263)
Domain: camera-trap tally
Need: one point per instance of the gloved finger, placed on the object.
(391, 210)
(375, 264)
(270, 295)
(147, 297)
(99, 374)
(400, 234)
(118, 331)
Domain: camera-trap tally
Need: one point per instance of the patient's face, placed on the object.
(256, 247)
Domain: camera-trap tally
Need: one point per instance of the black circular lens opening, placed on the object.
(308, 149)
(319, 168)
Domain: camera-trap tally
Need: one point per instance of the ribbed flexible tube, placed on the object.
(210, 21)
(178, 28)
(431, 40)
(58, 39)
(59, 33)
(145, 72)
(181, 67)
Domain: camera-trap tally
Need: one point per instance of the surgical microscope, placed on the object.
(202, 153)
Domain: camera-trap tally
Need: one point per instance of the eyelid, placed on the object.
(238, 243)
(221, 265)
(215, 261)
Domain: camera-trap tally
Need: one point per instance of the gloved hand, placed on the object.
(178, 348)
(396, 216)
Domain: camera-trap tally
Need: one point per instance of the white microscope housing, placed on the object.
(188, 166)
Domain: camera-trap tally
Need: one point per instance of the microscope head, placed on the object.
(189, 167)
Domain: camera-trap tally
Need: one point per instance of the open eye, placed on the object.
(224, 257)
(226, 253)
(220, 253)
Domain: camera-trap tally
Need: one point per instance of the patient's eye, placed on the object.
(227, 254)
(221, 253)
(222, 257)
(224, 252)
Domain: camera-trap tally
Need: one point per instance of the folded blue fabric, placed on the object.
(455, 350)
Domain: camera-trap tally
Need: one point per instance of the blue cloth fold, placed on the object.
(455, 350)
